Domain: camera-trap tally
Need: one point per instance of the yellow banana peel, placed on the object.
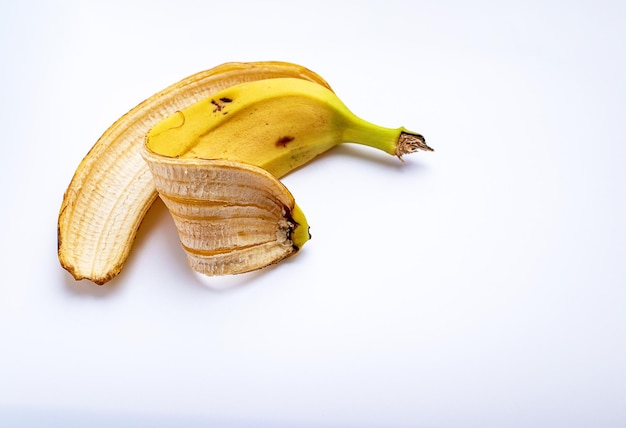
(112, 187)
(213, 146)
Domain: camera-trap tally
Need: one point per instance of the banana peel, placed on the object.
(112, 188)
(231, 217)
(212, 147)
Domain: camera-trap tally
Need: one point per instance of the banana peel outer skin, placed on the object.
(201, 159)
(112, 188)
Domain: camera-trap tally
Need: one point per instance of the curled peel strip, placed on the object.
(231, 217)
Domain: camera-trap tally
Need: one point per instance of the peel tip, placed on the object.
(411, 143)
(79, 276)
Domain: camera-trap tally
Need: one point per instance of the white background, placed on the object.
(482, 285)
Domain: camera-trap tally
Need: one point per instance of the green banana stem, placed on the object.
(395, 141)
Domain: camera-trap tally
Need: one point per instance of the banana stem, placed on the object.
(409, 142)
(397, 142)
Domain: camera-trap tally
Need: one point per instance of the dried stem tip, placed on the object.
(410, 143)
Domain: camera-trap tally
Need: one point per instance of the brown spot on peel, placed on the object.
(221, 106)
(218, 107)
(283, 141)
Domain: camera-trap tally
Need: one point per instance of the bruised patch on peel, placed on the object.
(283, 141)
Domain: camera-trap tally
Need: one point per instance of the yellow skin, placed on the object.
(113, 187)
(278, 125)
(301, 232)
